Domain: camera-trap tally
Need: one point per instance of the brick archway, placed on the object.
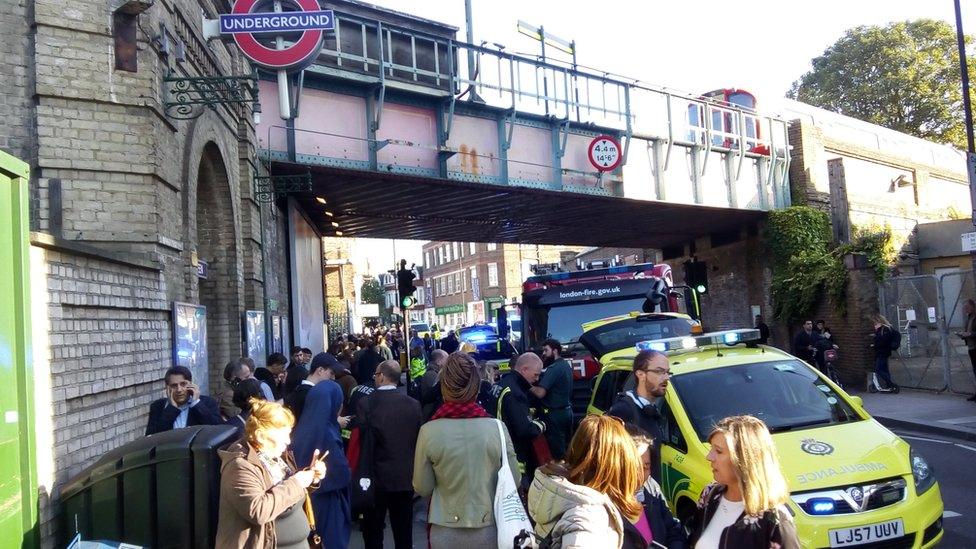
(216, 243)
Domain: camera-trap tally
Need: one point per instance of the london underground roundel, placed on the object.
(247, 19)
(605, 153)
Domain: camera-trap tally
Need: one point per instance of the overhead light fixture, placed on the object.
(338, 233)
(320, 200)
(334, 224)
(330, 214)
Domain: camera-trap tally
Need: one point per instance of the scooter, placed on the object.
(876, 385)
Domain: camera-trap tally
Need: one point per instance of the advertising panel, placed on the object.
(190, 341)
(307, 292)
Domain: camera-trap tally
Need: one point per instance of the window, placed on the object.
(457, 281)
(457, 250)
(787, 395)
(440, 255)
(447, 253)
(450, 284)
(440, 286)
(473, 248)
(491, 247)
(673, 436)
(492, 274)
(426, 260)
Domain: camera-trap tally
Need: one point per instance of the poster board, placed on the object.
(307, 282)
(253, 333)
(189, 322)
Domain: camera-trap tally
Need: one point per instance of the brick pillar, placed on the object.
(853, 330)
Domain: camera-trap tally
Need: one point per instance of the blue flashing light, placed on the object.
(731, 338)
(659, 346)
(821, 506)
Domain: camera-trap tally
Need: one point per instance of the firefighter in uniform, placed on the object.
(511, 403)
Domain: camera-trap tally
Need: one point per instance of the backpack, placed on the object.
(895, 340)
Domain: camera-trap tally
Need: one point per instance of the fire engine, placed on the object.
(556, 304)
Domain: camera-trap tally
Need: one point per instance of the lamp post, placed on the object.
(967, 107)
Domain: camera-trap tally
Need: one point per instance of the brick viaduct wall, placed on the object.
(739, 276)
(123, 198)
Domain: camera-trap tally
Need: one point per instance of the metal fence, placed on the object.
(928, 311)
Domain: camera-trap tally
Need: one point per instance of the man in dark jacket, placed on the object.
(273, 375)
(323, 367)
(763, 330)
(450, 342)
(393, 419)
(804, 341)
(511, 405)
(183, 405)
(637, 407)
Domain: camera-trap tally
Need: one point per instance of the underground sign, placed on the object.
(604, 153)
(246, 21)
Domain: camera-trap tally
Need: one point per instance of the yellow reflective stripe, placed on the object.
(346, 433)
(521, 468)
(498, 407)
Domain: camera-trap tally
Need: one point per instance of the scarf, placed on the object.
(460, 410)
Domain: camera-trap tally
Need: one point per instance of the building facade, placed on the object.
(146, 232)
(467, 281)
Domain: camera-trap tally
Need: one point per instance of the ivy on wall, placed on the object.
(808, 266)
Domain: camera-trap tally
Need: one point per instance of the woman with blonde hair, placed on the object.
(745, 508)
(262, 492)
(589, 499)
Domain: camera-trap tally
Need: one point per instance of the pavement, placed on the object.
(945, 414)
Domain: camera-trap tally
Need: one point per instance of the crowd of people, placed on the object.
(347, 439)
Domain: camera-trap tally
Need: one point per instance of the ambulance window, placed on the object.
(611, 383)
(673, 436)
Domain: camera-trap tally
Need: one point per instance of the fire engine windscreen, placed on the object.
(564, 323)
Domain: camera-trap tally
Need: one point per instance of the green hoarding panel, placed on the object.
(18, 485)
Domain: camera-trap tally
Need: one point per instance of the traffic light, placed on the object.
(405, 285)
(696, 276)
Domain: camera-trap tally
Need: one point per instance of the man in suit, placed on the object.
(183, 405)
(393, 420)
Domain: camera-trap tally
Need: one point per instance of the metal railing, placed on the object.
(385, 56)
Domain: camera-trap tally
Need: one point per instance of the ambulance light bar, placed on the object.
(727, 337)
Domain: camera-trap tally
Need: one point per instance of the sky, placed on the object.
(693, 46)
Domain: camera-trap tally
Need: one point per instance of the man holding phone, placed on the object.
(183, 405)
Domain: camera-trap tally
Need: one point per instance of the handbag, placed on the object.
(314, 539)
(362, 489)
(510, 517)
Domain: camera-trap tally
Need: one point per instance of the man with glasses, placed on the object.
(637, 407)
(393, 420)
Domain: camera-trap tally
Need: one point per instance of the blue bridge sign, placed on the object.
(295, 21)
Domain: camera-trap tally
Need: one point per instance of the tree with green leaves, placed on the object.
(904, 76)
(372, 292)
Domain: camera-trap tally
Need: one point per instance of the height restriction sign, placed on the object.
(604, 153)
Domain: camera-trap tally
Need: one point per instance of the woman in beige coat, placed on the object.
(456, 463)
(261, 492)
